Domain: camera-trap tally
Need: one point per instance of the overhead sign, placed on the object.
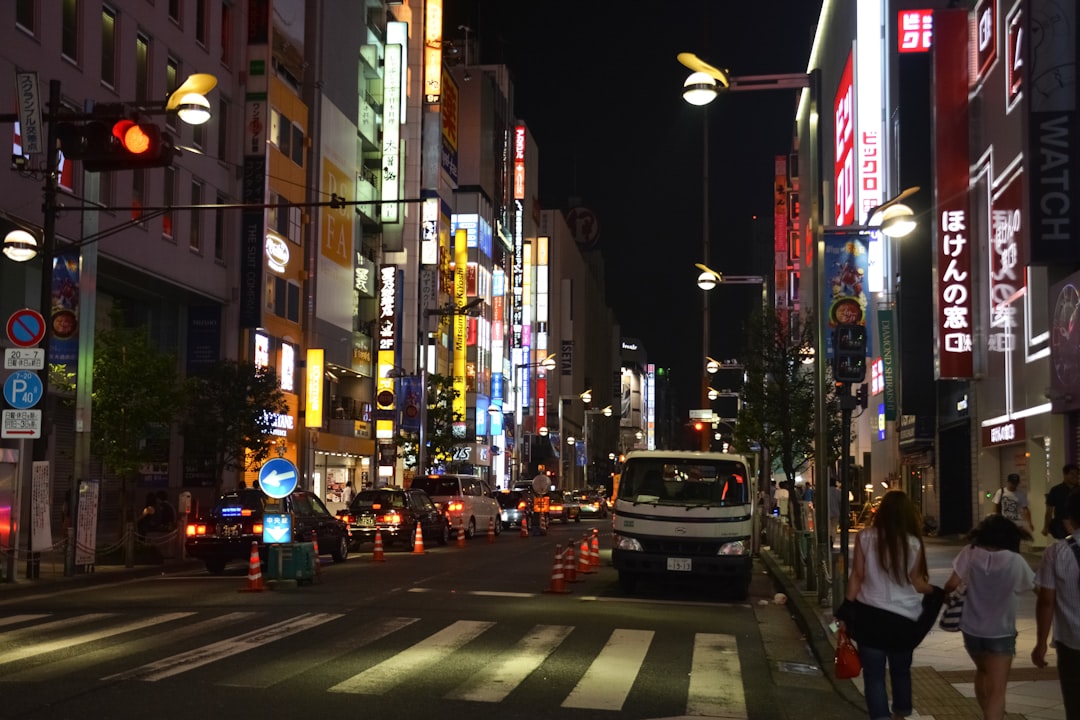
(21, 424)
(278, 477)
(23, 389)
(24, 358)
(277, 528)
(30, 127)
(26, 327)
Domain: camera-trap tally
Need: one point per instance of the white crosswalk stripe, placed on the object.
(601, 679)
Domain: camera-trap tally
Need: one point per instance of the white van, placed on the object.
(682, 513)
(463, 496)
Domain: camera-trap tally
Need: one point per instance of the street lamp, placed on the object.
(585, 397)
(547, 364)
(606, 412)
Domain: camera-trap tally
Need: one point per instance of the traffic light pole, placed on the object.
(840, 578)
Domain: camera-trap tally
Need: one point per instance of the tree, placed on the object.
(136, 399)
(439, 432)
(231, 413)
(779, 407)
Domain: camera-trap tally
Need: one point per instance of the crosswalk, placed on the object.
(380, 656)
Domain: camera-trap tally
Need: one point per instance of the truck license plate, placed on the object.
(678, 564)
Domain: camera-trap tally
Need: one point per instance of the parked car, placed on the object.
(563, 507)
(464, 498)
(516, 507)
(591, 504)
(394, 512)
(237, 519)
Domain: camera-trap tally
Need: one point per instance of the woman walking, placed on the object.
(885, 600)
(995, 575)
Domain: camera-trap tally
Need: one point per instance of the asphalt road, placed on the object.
(453, 632)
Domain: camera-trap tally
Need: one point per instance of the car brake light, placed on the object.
(455, 505)
(348, 518)
(196, 529)
(556, 508)
(245, 512)
(521, 505)
(391, 518)
(257, 528)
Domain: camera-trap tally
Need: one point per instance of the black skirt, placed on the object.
(886, 630)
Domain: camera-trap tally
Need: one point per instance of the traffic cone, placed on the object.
(558, 581)
(568, 565)
(543, 523)
(583, 557)
(460, 532)
(524, 526)
(315, 542)
(254, 581)
(594, 554)
(491, 529)
(418, 543)
(378, 555)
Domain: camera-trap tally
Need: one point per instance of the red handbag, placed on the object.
(847, 661)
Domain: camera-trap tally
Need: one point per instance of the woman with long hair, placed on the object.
(885, 591)
(995, 574)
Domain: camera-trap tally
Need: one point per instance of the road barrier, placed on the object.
(418, 541)
(584, 564)
(524, 526)
(569, 573)
(315, 544)
(378, 555)
(594, 552)
(254, 578)
(558, 580)
(491, 529)
(460, 532)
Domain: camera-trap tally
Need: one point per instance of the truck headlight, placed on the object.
(627, 543)
(737, 547)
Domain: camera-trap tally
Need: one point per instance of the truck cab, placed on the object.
(686, 514)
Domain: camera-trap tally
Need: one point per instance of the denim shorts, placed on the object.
(976, 645)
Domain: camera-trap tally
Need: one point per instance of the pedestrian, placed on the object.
(781, 497)
(1057, 587)
(1012, 502)
(1054, 524)
(995, 574)
(146, 521)
(884, 602)
(808, 493)
(347, 493)
(165, 513)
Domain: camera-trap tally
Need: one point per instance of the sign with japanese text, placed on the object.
(844, 147)
(985, 39)
(915, 31)
(1007, 262)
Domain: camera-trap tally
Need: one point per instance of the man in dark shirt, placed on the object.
(1054, 524)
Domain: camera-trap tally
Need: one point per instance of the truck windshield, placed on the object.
(685, 482)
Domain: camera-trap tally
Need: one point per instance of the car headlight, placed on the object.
(627, 543)
(733, 548)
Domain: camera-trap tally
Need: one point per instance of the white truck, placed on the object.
(682, 513)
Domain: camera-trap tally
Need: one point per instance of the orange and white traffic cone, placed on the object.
(418, 542)
(583, 557)
(569, 572)
(315, 543)
(460, 532)
(378, 555)
(524, 526)
(558, 580)
(254, 580)
(543, 523)
(491, 529)
(594, 553)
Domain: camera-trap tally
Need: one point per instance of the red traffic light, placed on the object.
(132, 136)
(116, 144)
(699, 426)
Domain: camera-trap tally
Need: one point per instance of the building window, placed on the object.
(296, 219)
(174, 10)
(202, 18)
(108, 46)
(226, 34)
(298, 145)
(219, 230)
(172, 72)
(168, 199)
(69, 30)
(195, 241)
(223, 129)
(284, 299)
(280, 134)
(142, 67)
(25, 16)
(198, 135)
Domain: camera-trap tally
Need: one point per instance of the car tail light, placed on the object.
(347, 519)
(455, 505)
(390, 518)
(555, 507)
(257, 528)
(521, 505)
(196, 529)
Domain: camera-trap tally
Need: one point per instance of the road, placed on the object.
(452, 632)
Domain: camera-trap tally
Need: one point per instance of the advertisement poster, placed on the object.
(86, 539)
(846, 265)
(64, 320)
(40, 497)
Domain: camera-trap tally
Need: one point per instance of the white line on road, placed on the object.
(410, 662)
(16, 619)
(609, 678)
(67, 642)
(494, 683)
(716, 688)
(198, 657)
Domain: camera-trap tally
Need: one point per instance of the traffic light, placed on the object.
(116, 144)
(849, 354)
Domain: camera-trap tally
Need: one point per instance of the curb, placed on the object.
(809, 620)
(103, 574)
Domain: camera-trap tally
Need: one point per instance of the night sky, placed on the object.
(600, 89)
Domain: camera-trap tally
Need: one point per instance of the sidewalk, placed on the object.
(942, 673)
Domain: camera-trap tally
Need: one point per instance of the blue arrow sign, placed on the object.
(278, 477)
(23, 389)
(277, 528)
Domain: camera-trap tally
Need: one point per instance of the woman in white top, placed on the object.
(995, 575)
(888, 579)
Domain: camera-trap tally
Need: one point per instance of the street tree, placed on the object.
(137, 397)
(779, 408)
(439, 431)
(230, 418)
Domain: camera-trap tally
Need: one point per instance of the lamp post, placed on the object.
(585, 397)
(547, 364)
(606, 412)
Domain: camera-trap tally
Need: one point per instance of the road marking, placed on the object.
(285, 666)
(16, 619)
(494, 683)
(408, 663)
(176, 664)
(67, 642)
(609, 678)
(716, 688)
(12, 635)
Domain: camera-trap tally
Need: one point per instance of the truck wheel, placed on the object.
(627, 581)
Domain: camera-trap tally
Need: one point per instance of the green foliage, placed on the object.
(439, 430)
(229, 417)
